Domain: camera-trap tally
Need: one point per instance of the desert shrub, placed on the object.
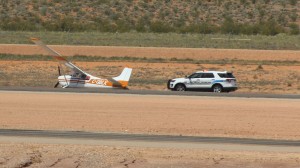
(243, 1)
(270, 28)
(43, 10)
(249, 29)
(151, 16)
(123, 26)
(293, 2)
(294, 29)
(229, 27)
(160, 27)
(294, 16)
(18, 24)
(141, 25)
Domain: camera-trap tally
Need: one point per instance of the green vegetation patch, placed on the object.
(278, 42)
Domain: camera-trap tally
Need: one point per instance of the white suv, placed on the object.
(215, 81)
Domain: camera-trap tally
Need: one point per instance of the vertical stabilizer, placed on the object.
(123, 79)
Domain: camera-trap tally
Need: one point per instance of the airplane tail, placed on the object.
(124, 77)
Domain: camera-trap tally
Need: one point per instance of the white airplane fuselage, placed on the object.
(91, 81)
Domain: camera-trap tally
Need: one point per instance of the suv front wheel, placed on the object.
(217, 88)
(180, 87)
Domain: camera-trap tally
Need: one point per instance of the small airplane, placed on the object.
(79, 78)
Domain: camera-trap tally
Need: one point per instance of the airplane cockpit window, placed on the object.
(83, 76)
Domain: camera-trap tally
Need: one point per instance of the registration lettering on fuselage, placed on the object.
(99, 81)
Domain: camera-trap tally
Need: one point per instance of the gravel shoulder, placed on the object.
(70, 155)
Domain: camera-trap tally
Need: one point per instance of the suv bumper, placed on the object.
(229, 89)
(169, 85)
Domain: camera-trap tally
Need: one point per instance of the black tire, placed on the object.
(217, 88)
(180, 87)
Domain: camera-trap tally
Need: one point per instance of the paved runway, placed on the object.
(144, 141)
(145, 137)
(151, 92)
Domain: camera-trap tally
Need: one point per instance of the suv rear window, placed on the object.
(226, 75)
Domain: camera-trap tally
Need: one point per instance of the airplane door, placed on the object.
(81, 80)
(74, 82)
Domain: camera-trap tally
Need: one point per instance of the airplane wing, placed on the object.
(57, 56)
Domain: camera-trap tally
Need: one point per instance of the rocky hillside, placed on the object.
(196, 16)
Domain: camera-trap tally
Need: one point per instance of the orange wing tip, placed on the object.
(34, 39)
(59, 58)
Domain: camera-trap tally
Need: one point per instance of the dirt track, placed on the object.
(153, 52)
(225, 117)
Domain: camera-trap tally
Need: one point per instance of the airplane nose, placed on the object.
(59, 81)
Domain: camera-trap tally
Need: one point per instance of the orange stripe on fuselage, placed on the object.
(106, 82)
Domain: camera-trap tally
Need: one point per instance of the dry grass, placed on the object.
(270, 79)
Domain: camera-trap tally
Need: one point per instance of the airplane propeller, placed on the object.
(58, 68)
(59, 73)
(55, 86)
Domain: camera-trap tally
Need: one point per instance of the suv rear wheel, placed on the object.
(217, 88)
(180, 87)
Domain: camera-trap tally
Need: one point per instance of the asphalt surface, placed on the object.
(145, 138)
(150, 92)
(134, 139)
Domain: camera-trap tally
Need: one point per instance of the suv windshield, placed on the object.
(226, 75)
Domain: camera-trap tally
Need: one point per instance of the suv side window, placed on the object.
(208, 75)
(196, 75)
